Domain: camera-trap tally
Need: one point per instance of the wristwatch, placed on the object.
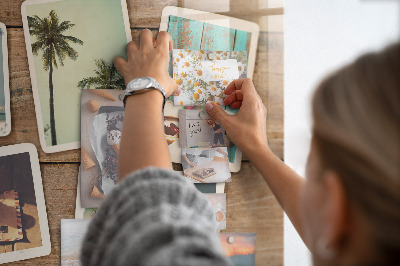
(140, 85)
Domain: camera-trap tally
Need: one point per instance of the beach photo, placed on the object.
(5, 115)
(72, 233)
(78, 58)
(23, 221)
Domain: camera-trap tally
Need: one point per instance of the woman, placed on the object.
(346, 211)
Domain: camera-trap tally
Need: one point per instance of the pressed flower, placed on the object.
(181, 103)
(196, 96)
(199, 73)
(201, 51)
(225, 82)
(187, 64)
(196, 84)
(179, 81)
(199, 91)
(214, 88)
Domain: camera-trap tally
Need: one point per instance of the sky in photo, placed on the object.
(100, 25)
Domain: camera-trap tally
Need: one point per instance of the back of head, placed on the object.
(356, 115)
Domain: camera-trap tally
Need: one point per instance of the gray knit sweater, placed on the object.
(153, 217)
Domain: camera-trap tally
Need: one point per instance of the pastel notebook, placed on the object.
(204, 75)
(79, 58)
(5, 114)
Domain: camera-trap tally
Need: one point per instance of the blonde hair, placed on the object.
(356, 114)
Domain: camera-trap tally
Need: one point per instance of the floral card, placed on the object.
(204, 75)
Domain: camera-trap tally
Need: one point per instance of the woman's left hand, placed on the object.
(149, 59)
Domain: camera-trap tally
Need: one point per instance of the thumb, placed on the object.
(218, 113)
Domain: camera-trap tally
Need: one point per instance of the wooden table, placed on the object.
(251, 207)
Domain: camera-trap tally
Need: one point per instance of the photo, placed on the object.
(82, 213)
(5, 114)
(198, 129)
(199, 30)
(218, 201)
(204, 75)
(72, 234)
(102, 114)
(24, 231)
(239, 247)
(79, 58)
(206, 165)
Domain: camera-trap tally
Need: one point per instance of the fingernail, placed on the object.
(179, 90)
(209, 106)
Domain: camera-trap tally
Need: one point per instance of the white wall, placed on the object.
(320, 36)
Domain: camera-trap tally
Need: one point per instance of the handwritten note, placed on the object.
(217, 70)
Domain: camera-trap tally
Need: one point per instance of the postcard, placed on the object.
(218, 201)
(199, 30)
(206, 165)
(72, 234)
(5, 113)
(204, 75)
(240, 248)
(24, 230)
(84, 60)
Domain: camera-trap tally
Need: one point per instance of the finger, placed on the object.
(146, 40)
(235, 96)
(164, 41)
(236, 105)
(177, 92)
(245, 85)
(119, 63)
(216, 112)
(132, 48)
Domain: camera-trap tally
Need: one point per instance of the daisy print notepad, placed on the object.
(204, 75)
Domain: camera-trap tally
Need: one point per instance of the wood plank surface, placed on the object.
(251, 206)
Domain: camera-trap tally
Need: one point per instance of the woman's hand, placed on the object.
(149, 59)
(247, 129)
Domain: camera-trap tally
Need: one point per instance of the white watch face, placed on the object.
(140, 83)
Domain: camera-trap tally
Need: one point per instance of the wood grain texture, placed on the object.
(250, 204)
(186, 33)
(217, 38)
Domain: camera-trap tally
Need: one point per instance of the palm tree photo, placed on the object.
(107, 77)
(55, 48)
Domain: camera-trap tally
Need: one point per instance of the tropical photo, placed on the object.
(69, 53)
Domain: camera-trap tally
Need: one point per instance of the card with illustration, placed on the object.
(206, 165)
(204, 75)
(218, 201)
(102, 115)
(77, 59)
(5, 113)
(240, 248)
(198, 30)
(72, 234)
(24, 230)
(198, 129)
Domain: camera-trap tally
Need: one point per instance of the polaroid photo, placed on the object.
(198, 129)
(72, 234)
(5, 113)
(199, 30)
(82, 213)
(24, 229)
(102, 115)
(204, 75)
(218, 202)
(206, 165)
(59, 73)
(240, 248)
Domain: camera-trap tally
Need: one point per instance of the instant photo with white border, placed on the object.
(45, 249)
(5, 127)
(36, 93)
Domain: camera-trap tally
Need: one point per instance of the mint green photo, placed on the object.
(73, 44)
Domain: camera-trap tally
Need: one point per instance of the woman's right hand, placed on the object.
(247, 129)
